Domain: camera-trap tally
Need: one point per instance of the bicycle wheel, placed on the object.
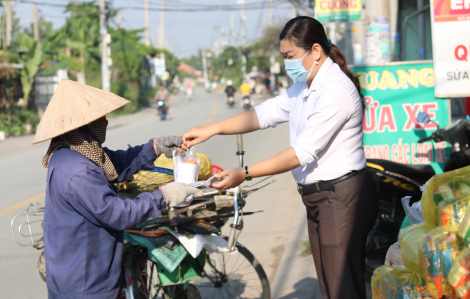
(143, 276)
(236, 275)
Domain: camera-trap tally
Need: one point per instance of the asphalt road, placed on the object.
(267, 234)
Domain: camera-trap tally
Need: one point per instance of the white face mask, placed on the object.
(295, 69)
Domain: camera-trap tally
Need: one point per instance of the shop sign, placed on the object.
(395, 93)
(159, 65)
(451, 47)
(337, 10)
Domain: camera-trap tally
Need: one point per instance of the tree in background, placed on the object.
(77, 42)
(194, 61)
(229, 65)
(44, 28)
(31, 56)
(76, 46)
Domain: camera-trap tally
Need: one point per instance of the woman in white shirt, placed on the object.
(324, 108)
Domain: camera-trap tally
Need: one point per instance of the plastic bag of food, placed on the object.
(186, 166)
(464, 228)
(441, 187)
(397, 282)
(459, 275)
(414, 212)
(452, 211)
(149, 181)
(437, 252)
(410, 237)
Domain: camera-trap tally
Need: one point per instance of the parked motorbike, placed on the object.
(162, 109)
(246, 102)
(396, 180)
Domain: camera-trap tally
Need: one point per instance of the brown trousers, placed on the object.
(338, 224)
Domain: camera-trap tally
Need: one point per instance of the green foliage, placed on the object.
(77, 42)
(129, 91)
(229, 65)
(31, 58)
(194, 61)
(44, 28)
(146, 95)
(305, 247)
(20, 117)
(127, 59)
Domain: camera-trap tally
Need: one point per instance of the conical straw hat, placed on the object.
(74, 105)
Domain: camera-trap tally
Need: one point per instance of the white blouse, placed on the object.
(325, 124)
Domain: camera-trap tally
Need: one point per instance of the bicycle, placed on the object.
(232, 273)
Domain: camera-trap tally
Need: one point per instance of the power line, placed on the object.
(198, 7)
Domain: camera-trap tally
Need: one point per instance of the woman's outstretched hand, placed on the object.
(232, 178)
(197, 135)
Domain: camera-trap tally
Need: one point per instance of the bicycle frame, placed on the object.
(34, 242)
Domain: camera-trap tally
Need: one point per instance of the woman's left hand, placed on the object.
(232, 178)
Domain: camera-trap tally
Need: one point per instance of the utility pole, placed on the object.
(147, 26)
(119, 19)
(161, 35)
(2, 38)
(378, 15)
(242, 18)
(9, 22)
(270, 12)
(232, 29)
(106, 84)
(35, 22)
(293, 12)
(204, 68)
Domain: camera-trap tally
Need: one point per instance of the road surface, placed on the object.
(272, 236)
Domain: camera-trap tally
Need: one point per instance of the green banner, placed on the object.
(339, 16)
(395, 94)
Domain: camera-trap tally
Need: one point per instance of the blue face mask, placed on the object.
(295, 69)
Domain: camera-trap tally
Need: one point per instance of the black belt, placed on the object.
(324, 185)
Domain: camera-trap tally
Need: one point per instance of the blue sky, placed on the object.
(185, 32)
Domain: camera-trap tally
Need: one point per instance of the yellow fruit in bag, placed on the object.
(149, 181)
(410, 237)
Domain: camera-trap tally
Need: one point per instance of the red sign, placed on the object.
(451, 10)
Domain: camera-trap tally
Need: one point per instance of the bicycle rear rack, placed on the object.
(32, 241)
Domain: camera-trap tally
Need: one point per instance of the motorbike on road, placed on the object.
(230, 94)
(230, 101)
(246, 102)
(229, 272)
(396, 180)
(162, 109)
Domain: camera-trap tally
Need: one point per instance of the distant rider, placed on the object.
(162, 95)
(229, 91)
(189, 91)
(245, 90)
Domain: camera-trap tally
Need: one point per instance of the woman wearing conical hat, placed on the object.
(84, 218)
